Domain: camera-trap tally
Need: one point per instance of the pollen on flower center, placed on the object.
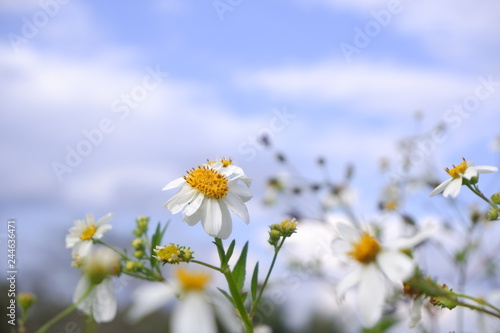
(458, 170)
(208, 182)
(195, 281)
(365, 250)
(168, 253)
(88, 232)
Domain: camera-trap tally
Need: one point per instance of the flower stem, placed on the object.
(65, 312)
(206, 265)
(233, 289)
(479, 301)
(480, 194)
(261, 292)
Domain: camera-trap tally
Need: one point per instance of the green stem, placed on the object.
(479, 301)
(477, 308)
(233, 289)
(206, 265)
(124, 256)
(480, 194)
(65, 312)
(261, 292)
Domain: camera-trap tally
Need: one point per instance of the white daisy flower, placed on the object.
(374, 263)
(98, 267)
(207, 194)
(466, 170)
(196, 310)
(82, 234)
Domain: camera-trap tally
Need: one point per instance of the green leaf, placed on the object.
(223, 292)
(230, 250)
(244, 297)
(156, 240)
(220, 249)
(255, 278)
(239, 270)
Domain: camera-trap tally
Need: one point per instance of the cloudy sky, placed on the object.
(105, 103)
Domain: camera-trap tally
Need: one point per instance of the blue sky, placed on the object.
(221, 79)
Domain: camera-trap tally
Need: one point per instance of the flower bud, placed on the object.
(130, 265)
(496, 198)
(139, 254)
(138, 243)
(493, 214)
(26, 300)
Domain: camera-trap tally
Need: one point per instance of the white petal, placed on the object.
(427, 231)
(194, 204)
(470, 173)
(441, 187)
(453, 188)
(180, 199)
(242, 191)
(106, 218)
(104, 305)
(341, 248)
(174, 183)
(99, 232)
(348, 232)
(416, 311)
(89, 219)
(82, 248)
(197, 216)
(348, 281)
(81, 288)
(371, 295)
(212, 219)
(486, 169)
(237, 206)
(226, 313)
(193, 314)
(148, 298)
(71, 240)
(396, 265)
(227, 223)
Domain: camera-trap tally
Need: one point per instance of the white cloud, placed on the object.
(384, 88)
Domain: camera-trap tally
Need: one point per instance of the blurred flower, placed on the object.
(340, 196)
(207, 193)
(97, 268)
(465, 170)
(495, 144)
(82, 234)
(194, 312)
(372, 262)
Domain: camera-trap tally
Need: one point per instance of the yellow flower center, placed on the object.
(365, 250)
(88, 232)
(456, 171)
(169, 253)
(208, 182)
(195, 281)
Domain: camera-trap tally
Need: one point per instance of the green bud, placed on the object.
(142, 222)
(138, 243)
(473, 180)
(130, 265)
(493, 214)
(139, 254)
(138, 232)
(496, 198)
(274, 237)
(139, 265)
(26, 300)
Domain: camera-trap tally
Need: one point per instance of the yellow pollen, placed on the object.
(458, 170)
(226, 163)
(365, 250)
(88, 232)
(168, 253)
(195, 281)
(208, 182)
